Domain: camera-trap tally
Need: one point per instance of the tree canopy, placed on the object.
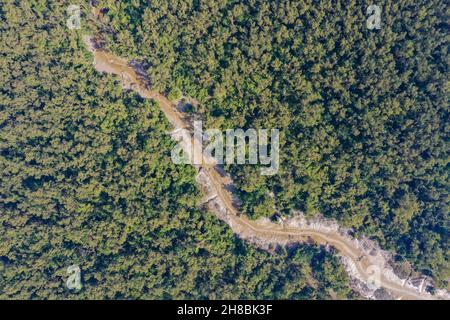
(86, 180)
(363, 113)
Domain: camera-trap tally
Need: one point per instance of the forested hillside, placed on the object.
(86, 179)
(363, 113)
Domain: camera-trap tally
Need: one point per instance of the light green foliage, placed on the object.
(363, 113)
(86, 179)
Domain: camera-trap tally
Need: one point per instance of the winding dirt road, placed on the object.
(366, 265)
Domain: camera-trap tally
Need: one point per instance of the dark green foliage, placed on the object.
(86, 179)
(363, 113)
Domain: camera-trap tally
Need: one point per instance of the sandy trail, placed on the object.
(361, 263)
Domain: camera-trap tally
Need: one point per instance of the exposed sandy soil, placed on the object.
(362, 259)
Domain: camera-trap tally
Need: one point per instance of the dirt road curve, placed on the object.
(368, 266)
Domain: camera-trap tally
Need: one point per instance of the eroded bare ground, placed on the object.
(368, 266)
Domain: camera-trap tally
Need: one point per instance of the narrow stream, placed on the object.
(365, 262)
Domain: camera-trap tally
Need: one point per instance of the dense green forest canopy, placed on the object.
(363, 113)
(85, 179)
